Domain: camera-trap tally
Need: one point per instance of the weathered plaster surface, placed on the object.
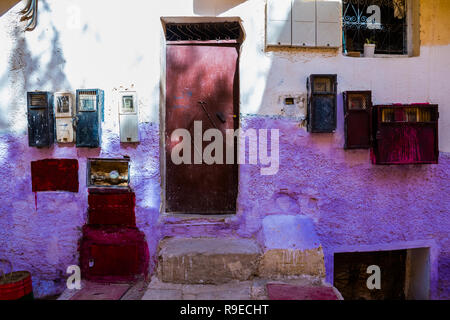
(434, 22)
(351, 202)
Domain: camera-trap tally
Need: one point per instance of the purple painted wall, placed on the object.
(352, 202)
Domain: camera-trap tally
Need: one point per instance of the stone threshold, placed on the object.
(184, 217)
(255, 289)
(106, 291)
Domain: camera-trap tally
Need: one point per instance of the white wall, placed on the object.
(112, 43)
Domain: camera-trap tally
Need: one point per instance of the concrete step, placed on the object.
(207, 260)
(295, 288)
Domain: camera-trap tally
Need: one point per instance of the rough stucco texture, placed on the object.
(44, 240)
(434, 22)
(351, 201)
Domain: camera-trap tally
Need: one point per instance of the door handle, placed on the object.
(221, 117)
(202, 103)
(378, 135)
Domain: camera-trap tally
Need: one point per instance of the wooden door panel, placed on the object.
(350, 274)
(358, 129)
(201, 85)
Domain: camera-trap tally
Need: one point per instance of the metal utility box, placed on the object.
(329, 28)
(108, 173)
(41, 124)
(357, 119)
(64, 112)
(128, 116)
(322, 100)
(304, 23)
(89, 117)
(278, 23)
(405, 134)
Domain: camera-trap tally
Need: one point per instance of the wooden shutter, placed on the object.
(304, 23)
(279, 22)
(357, 119)
(406, 134)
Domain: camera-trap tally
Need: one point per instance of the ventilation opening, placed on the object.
(92, 93)
(203, 31)
(38, 100)
(289, 101)
(404, 274)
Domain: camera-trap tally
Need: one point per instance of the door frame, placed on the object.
(162, 100)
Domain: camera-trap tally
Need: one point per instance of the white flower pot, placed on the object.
(369, 50)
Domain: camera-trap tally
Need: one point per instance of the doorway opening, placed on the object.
(200, 92)
(404, 274)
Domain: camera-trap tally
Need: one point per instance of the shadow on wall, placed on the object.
(26, 72)
(214, 7)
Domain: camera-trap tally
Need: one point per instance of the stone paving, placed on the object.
(255, 289)
(235, 290)
(103, 291)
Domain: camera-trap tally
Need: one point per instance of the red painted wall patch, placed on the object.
(54, 175)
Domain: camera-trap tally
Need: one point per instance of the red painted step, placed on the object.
(113, 254)
(292, 292)
(101, 291)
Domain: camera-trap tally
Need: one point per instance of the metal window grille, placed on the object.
(203, 31)
(391, 35)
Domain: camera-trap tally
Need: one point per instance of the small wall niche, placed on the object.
(289, 101)
(292, 105)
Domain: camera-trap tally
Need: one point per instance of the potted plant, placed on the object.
(369, 48)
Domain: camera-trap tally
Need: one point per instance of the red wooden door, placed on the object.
(358, 129)
(201, 85)
(357, 124)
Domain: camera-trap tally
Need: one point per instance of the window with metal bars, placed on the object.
(203, 31)
(383, 22)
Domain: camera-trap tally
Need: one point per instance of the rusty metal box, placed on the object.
(64, 112)
(357, 119)
(405, 134)
(41, 125)
(89, 117)
(108, 173)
